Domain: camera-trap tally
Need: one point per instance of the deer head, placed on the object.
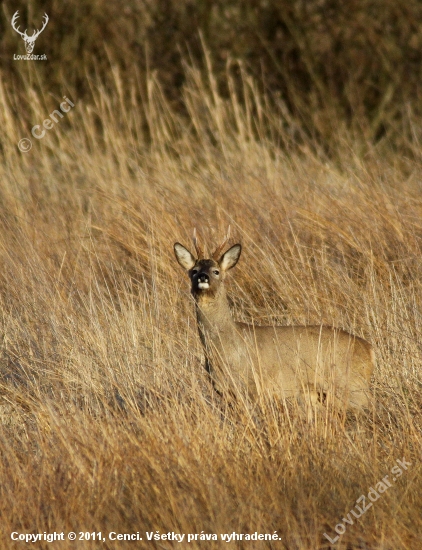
(29, 40)
(207, 274)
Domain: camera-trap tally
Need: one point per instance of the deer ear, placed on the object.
(184, 257)
(230, 258)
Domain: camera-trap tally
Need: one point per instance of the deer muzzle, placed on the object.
(203, 281)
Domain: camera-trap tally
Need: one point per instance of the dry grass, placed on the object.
(326, 65)
(107, 419)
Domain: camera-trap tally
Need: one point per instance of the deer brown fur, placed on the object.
(318, 363)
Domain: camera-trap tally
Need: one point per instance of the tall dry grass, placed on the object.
(326, 64)
(107, 419)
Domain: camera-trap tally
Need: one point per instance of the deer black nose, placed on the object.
(203, 278)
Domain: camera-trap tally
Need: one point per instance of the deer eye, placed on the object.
(195, 271)
(216, 272)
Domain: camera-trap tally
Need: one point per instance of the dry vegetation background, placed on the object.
(299, 124)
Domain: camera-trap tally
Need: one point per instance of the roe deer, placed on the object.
(318, 363)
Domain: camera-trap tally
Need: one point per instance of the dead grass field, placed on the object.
(107, 421)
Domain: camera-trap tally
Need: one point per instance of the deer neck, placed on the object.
(214, 315)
